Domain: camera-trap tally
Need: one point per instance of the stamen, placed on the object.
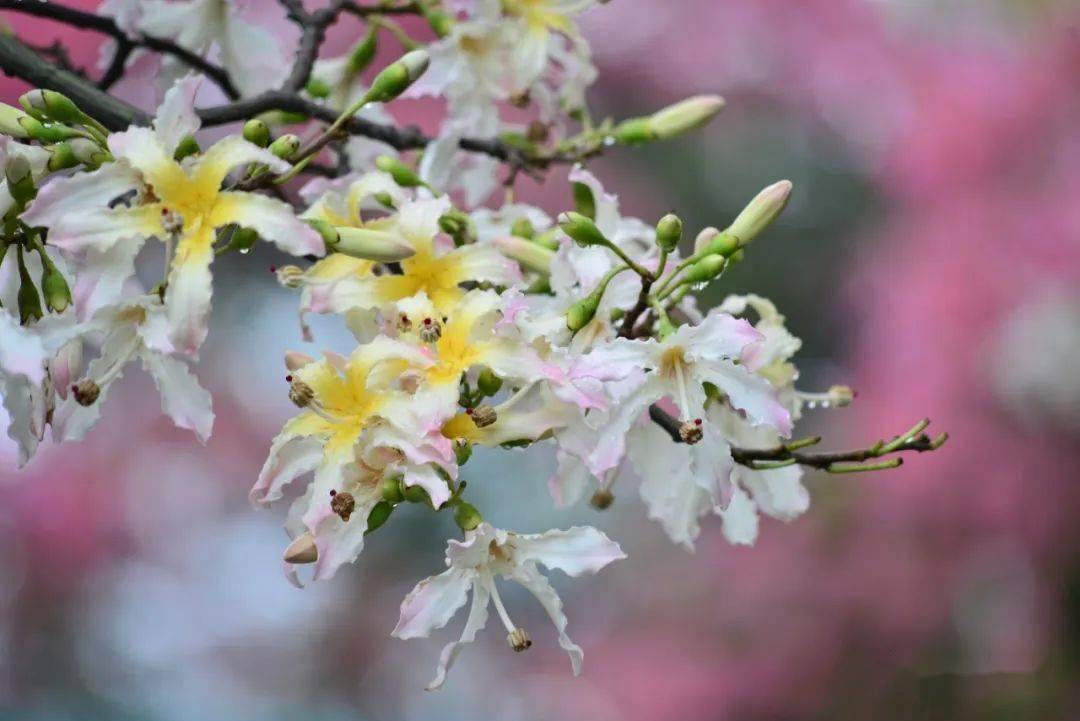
(517, 637)
(835, 397)
(483, 416)
(430, 330)
(86, 392)
(290, 276)
(691, 432)
(300, 392)
(343, 504)
(172, 222)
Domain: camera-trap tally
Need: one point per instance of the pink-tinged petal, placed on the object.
(541, 588)
(611, 439)
(186, 402)
(478, 614)
(339, 542)
(187, 299)
(778, 492)
(575, 551)
(618, 359)
(101, 275)
(21, 351)
(271, 218)
(607, 204)
(567, 485)
(747, 392)
(290, 457)
(176, 116)
(668, 488)
(718, 336)
(433, 602)
(740, 519)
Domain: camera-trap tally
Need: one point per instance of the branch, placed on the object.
(365, 11)
(837, 462)
(106, 25)
(313, 28)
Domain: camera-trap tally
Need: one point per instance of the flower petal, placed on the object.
(433, 602)
(478, 615)
(228, 153)
(271, 218)
(575, 551)
(182, 398)
(746, 391)
(187, 298)
(176, 116)
(529, 577)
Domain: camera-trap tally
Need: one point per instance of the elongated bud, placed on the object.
(531, 256)
(466, 516)
(380, 514)
(548, 239)
(318, 88)
(704, 270)
(761, 212)
(582, 312)
(713, 242)
(584, 200)
(523, 228)
(581, 229)
(377, 245)
(257, 132)
(440, 21)
(285, 146)
(669, 232)
(682, 117)
(385, 200)
(61, 156)
(29, 301)
(398, 76)
(47, 132)
(328, 232)
(390, 489)
(402, 174)
(295, 360)
(364, 52)
(487, 382)
(88, 152)
(456, 224)
(634, 131)
(51, 105)
(20, 180)
(54, 287)
(302, 550)
(11, 121)
(187, 147)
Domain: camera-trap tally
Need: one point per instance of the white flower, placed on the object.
(488, 553)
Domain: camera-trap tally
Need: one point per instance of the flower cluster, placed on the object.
(474, 326)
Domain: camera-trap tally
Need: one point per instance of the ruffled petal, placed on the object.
(433, 602)
(182, 398)
(478, 615)
(529, 577)
(271, 218)
(575, 551)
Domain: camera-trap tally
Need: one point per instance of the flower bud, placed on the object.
(187, 147)
(20, 180)
(380, 514)
(317, 88)
(329, 233)
(385, 200)
(416, 494)
(11, 121)
(28, 299)
(51, 105)
(440, 21)
(88, 152)
(257, 132)
(54, 287)
(582, 312)
(390, 489)
(364, 52)
(285, 146)
(634, 131)
(713, 242)
(61, 157)
(487, 382)
(531, 256)
(704, 270)
(462, 452)
(47, 132)
(669, 232)
(584, 200)
(402, 174)
(548, 239)
(456, 224)
(466, 516)
(523, 228)
(243, 240)
(581, 229)
(302, 550)
(398, 76)
(684, 116)
(761, 212)
(377, 245)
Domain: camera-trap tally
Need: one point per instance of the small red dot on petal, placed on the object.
(273, 269)
(697, 421)
(333, 492)
(288, 379)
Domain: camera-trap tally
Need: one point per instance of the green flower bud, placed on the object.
(11, 121)
(187, 147)
(377, 245)
(584, 200)
(488, 383)
(440, 21)
(416, 494)
(713, 242)
(704, 270)
(761, 212)
(582, 312)
(462, 452)
(684, 116)
(398, 76)
(523, 228)
(456, 224)
(54, 287)
(548, 239)
(466, 516)
(531, 256)
(49, 104)
(28, 299)
(634, 131)
(390, 489)
(669, 232)
(581, 229)
(385, 199)
(243, 239)
(61, 156)
(257, 132)
(364, 52)
(318, 88)
(47, 132)
(402, 174)
(329, 234)
(88, 152)
(380, 514)
(20, 180)
(285, 146)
